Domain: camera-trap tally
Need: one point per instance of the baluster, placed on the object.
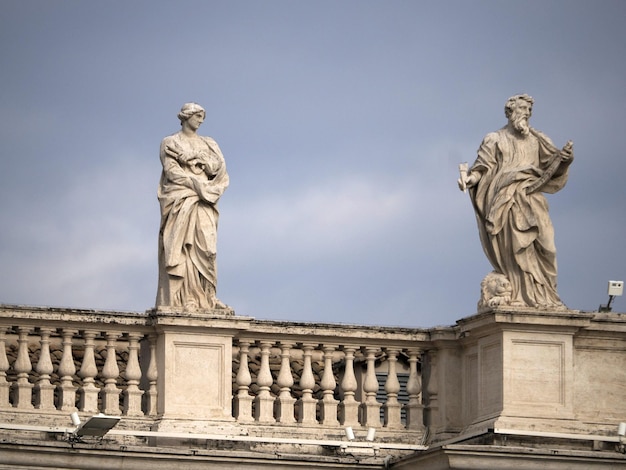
(110, 372)
(243, 401)
(349, 407)
(285, 402)
(328, 404)
(22, 366)
(67, 369)
(152, 375)
(44, 390)
(392, 407)
(433, 391)
(132, 394)
(5, 386)
(414, 408)
(307, 405)
(88, 370)
(371, 407)
(264, 402)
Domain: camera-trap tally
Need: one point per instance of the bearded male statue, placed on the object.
(515, 165)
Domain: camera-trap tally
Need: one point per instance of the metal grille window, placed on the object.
(403, 396)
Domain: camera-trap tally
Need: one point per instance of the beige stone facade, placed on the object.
(506, 388)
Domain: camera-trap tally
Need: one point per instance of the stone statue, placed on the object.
(515, 165)
(193, 179)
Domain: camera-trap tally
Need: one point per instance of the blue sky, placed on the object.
(342, 124)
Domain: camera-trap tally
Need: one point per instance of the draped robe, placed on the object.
(515, 229)
(193, 179)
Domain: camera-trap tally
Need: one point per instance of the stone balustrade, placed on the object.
(211, 381)
(69, 360)
(176, 372)
(329, 375)
(310, 377)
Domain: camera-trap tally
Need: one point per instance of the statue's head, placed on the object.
(513, 101)
(518, 110)
(188, 110)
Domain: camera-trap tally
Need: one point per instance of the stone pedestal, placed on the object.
(518, 368)
(194, 364)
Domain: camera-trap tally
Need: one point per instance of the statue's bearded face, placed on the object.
(519, 117)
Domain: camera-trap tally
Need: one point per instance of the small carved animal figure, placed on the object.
(495, 290)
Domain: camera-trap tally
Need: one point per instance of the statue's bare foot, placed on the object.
(220, 305)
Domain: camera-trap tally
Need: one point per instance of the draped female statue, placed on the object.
(193, 179)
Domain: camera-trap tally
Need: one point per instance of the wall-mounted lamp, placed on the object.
(621, 432)
(616, 288)
(359, 449)
(96, 426)
(75, 418)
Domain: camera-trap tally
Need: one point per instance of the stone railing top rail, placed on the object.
(250, 328)
(335, 333)
(241, 327)
(82, 318)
